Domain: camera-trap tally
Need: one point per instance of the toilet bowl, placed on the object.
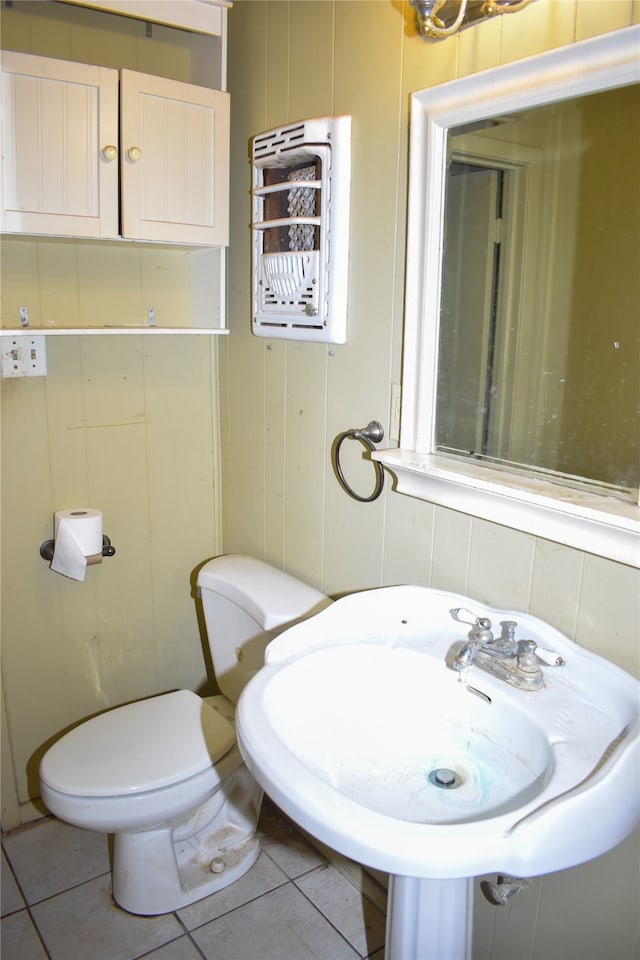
(164, 775)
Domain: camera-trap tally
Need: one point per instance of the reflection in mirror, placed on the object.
(539, 343)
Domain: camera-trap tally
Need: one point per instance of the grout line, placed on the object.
(330, 922)
(161, 946)
(27, 907)
(237, 906)
(59, 893)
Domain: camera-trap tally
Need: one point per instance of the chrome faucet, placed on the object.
(481, 639)
(515, 662)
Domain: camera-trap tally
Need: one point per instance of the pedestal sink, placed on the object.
(361, 731)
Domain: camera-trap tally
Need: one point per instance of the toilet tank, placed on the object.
(246, 603)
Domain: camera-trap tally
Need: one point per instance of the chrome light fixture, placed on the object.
(442, 18)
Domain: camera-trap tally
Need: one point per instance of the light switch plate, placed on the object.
(24, 356)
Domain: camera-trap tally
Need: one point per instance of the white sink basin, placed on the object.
(358, 709)
(402, 737)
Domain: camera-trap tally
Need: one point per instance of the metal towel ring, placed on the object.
(369, 435)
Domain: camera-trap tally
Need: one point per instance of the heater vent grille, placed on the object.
(300, 230)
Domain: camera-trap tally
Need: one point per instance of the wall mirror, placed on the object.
(521, 379)
(539, 332)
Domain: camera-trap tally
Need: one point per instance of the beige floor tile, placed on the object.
(357, 919)
(261, 878)
(72, 856)
(19, 940)
(11, 897)
(282, 925)
(284, 843)
(182, 949)
(84, 922)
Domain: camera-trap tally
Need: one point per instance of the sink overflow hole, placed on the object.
(444, 778)
(479, 693)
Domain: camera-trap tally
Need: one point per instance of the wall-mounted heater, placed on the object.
(300, 228)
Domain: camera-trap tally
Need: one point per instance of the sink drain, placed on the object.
(445, 778)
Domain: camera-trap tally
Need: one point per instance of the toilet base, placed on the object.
(152, 874)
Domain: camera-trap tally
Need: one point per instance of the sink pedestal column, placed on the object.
(429, 919)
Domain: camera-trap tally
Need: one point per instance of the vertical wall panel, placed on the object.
(277, 58)
(311, 59)
(275, 463)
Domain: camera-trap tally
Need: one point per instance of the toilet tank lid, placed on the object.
(138, 747)
(270, 596)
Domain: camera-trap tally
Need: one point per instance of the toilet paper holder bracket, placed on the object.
(47, 548)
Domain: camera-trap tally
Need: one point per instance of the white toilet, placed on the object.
(165, 774)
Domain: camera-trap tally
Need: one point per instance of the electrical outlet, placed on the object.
(24, 356)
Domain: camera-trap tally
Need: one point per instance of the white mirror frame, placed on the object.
(595, 523)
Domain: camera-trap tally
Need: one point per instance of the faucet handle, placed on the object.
(550, 657)
(481, 626)
(475, 621)
(527, 659)
(531, 654)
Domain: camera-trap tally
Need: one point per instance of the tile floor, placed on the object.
(292, 905)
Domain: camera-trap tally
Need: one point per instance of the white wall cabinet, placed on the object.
(64, 173)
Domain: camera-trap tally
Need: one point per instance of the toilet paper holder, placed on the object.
(47, 548)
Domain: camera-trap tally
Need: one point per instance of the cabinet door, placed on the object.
(58, 118)
(175, 161)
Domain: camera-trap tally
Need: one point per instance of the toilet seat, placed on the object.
(138, 747)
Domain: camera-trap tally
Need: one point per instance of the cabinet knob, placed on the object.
(110, 152)
(134, 154)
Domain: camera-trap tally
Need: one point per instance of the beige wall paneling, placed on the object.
(311, 66)
(115, 427)
(165, 282)
(277, 63)
(409, 535)
(181, 496)
(35, 27)
(480, 46)
(10, 805)
(609, 612)
(309, 62)
(19, 276)
(556, 584)
(57, 282)
(109, 285)
(243, 440)
(451, 550)
(32, 652)
(590, 21)
(549, 24)
(98, 37)
(490, 578)
(589, 912)
(425, 64)
(246, 442)
(359, 372)
(306, 454)
(16, 26)
(166, 47)
(92, 36)
(275, 453)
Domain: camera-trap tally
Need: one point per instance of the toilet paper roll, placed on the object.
(78, 541)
